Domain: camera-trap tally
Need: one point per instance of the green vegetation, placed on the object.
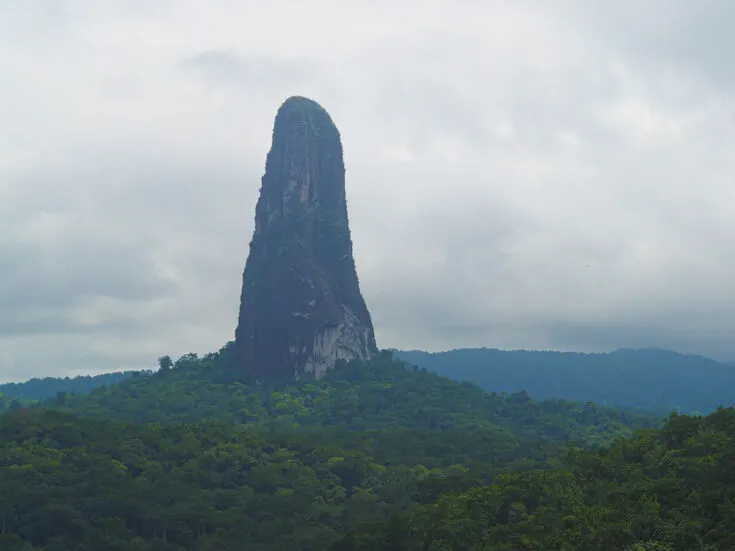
(12, 403)
(664, 490)
(643, 378)
(48, 387)
(376, 455)
(354, 398)
(69, 483)
(651, 380)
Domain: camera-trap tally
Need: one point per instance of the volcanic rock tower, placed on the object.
(301, 308)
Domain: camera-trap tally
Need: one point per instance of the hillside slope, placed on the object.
(358, 396)
(214, 463)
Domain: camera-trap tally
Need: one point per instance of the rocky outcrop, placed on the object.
(301, 308)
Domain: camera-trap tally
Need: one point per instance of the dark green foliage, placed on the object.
(165, 363)
(375, 396)
(666, 490)
(12, 403)
(647, 378)
(114, 485)
(48, 387)
(217, 464)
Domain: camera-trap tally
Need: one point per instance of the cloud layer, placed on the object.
(518, 176)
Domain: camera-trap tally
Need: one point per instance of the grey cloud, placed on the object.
(229, 66)
(137, 238)
(60, 275)
(56, 324)
(71, 355)
(708, 340)
(693, 38)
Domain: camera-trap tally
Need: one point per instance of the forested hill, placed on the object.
(211, 463)
(48, 387)
(666, 490)
(383, 393)
(644, 378)
(376, 456)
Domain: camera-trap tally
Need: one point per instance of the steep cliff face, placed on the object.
(301, 308)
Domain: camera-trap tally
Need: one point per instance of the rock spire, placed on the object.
(301, 308)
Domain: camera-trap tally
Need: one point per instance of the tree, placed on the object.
(165, 363)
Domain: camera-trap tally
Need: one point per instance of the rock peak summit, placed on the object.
(301, 308)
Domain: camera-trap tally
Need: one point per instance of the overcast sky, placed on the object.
(534, 174)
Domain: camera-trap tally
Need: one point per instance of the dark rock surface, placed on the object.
(301, 308)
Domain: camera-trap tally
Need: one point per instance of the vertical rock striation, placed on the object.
(301, 308)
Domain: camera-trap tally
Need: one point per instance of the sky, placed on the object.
(537, 174)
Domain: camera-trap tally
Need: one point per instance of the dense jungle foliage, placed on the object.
(377, 455)
(662, 490)
(12, 403)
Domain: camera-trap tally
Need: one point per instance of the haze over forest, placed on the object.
(545, 176)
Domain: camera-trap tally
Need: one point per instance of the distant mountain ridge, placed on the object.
(644, 378)
(48, 387)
